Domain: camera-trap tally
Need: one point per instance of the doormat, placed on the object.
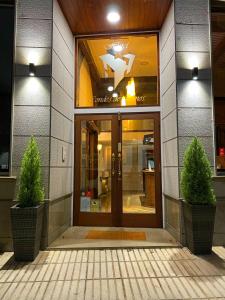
(116, 235)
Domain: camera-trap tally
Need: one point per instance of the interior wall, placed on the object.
(85, 95)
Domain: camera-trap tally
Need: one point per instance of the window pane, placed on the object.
(118, 71)
(95, 189)
(138, 166)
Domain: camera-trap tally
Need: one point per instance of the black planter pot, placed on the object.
(26, 231)
(199, 227)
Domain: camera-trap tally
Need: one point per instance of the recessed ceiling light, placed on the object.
(115, 95)
(110, 88)
(118, 48)
(113, 17)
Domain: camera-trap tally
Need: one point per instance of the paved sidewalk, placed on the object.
(170, 273)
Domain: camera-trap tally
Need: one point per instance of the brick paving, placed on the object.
(168, 273)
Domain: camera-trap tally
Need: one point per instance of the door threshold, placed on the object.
(76, 238)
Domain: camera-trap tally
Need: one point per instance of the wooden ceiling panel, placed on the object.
(89, 16)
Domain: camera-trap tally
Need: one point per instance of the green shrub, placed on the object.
(31, 191)
(196, 176)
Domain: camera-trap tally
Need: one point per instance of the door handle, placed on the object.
(119, 164)
(113, 163)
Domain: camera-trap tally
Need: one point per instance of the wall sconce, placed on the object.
(32, 69)
(195, 73)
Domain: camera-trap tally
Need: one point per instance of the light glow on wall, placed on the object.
(193, 61)
(123, 101)
(131, 88)
(29, 90)
(33, 57)
(37, 56)
(194, 93)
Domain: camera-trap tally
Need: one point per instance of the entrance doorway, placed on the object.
(117, 170)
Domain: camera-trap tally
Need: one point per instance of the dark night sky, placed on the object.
(6, 67)
(6, 49)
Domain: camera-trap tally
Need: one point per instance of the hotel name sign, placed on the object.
(109, 99)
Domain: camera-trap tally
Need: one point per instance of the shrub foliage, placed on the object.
(31, 192)
(196, 176)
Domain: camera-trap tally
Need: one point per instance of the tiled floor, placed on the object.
(74, 238)
(169, 273)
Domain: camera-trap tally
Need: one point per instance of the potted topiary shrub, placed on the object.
(27, 214)
(199, 199)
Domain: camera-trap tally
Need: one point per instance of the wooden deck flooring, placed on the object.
(171, 273)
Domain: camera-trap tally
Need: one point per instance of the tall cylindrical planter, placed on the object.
(26, 231)
(199, 227)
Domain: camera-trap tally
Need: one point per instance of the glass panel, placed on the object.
(138, 165)
(117, 71)
(95, 189)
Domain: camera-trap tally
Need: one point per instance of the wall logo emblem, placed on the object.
(119, 65)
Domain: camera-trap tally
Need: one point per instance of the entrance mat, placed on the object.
(116, 235)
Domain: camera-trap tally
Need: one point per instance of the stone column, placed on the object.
(43, 105)
(187, 105)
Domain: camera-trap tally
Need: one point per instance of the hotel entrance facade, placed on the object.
(118, 154)
(118, 166)
(113, 93)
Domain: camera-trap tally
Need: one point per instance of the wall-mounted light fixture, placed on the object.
(32, 69)
(195, 73)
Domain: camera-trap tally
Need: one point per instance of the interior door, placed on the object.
(117, 170)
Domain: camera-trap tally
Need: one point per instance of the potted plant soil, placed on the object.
(27, 214)
(199, 199)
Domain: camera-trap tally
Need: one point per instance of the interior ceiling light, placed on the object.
(118, 48)
(110, 88)
(113, 17)
(115, 95)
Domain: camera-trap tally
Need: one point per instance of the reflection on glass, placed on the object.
(138, 166)
(117, 71)
(95, 188)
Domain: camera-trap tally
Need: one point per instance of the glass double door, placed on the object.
(117, 170)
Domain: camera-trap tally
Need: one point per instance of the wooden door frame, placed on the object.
(117, 218)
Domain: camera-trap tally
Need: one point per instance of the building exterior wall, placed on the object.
(43, 105)
(32, 96)
(187, 105)
(61, 144)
